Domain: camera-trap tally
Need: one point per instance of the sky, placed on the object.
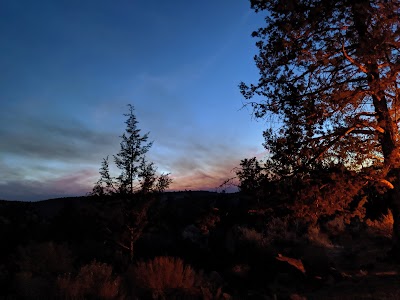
(69, 69)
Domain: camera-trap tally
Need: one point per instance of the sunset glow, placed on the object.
(70, 69)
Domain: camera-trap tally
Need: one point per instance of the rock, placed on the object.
(297, 263)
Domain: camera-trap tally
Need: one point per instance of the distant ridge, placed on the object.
(193, 192)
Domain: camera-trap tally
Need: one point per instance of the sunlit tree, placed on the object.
(330, 84)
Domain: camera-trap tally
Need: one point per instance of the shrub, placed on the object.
(28, 286)
(318, 238)
(282, 229)
(93, 280)
(337, 225)
(383, 226)
(165, 275)
(251, 237)
(244, 242)
(44, 258)
(39, 264)
(208, 222)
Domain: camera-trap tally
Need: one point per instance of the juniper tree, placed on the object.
(137, 180)
(105, 185)
(330, 80)
(130, 157)
(137, 174)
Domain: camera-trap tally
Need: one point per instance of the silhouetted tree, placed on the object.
(149, 181)
(330, 81)
(137, 181)
(251, 175)
(137, 174)
(105, 185)
(130, 158)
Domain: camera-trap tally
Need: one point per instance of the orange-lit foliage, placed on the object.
(309, 195)
(383, 226)
(329, 84)
(164, 273)
(325, 192)
(170, 278)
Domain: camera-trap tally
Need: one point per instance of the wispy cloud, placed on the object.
(75, 184)
(204, 164)
(63, 140)
(63, 110)
(43, 158)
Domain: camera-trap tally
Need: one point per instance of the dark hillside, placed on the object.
(229, 245)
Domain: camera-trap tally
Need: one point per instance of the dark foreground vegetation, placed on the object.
(191, 245)
(319, 219)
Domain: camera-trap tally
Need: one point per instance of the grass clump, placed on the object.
(383, 226)
(166, 276)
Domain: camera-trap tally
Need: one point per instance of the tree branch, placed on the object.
(350, 59)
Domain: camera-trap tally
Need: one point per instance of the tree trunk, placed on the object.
(384, 120)
(391, 169)
(131, 243)
(394, 204)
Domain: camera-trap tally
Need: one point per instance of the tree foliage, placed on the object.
(105, 185)
(310, 196)
(137, 174)
(330, 81)
(131, 157)
(137, 181)
(251, 175)
(329, 71)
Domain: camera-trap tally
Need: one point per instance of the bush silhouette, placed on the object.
(94, 280)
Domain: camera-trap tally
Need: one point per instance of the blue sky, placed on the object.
(69, 69)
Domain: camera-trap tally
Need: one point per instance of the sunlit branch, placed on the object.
(331, 143)
(350, 59)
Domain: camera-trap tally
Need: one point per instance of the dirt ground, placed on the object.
(364, 272)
